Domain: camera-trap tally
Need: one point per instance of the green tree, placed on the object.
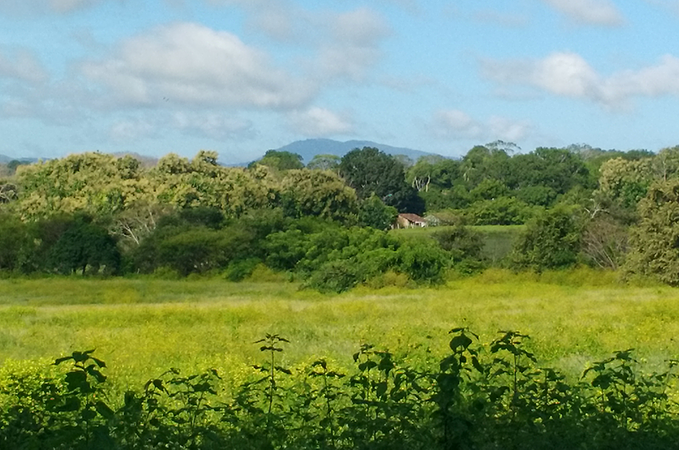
(654, 242)
(626, 181)
(489, 189)
(370, 171)
(324, 162)
(423, 261)
(460, 241)
(433, 171)
(317, 193)
(551, 241)
(558, 169)
(8, 191)
(499, 211)
(15, 242)
(280, 160)
(374, 213)
(91, 183)
(85, 246)
(482, 163)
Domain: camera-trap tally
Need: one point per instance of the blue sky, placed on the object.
(244, 76)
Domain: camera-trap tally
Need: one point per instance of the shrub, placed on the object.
(499, 211)
(389, 278)
(262, 274)
(239, 270)
(374, 213)
(423, 261)
(460, 241)
(335, 276)
(551, 241)
(605, 242)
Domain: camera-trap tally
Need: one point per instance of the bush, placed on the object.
(492, 395)
(499, 211)
(550, 241)
(262, 274)
(335, 276)
(460, 241)
(374, 213)
(423, 261)
(242, 269)
(387, 279)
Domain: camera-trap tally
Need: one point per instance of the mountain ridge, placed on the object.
(308, 148)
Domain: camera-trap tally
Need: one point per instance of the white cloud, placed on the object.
(213, 125)
(277, 19)
(456, 124)
(21, 65)
(570, 75)
(591, 12)
(191, 64)
(70, 5)
(201, 124)
(670, 5)
(45, 6)
(343, 45)
(129, 130)
(353, 45)
(508, 129)
(492, 17)
(320, 122)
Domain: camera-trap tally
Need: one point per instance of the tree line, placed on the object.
(325, 222)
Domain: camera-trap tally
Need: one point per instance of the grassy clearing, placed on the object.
(497, 239)
(142, 327)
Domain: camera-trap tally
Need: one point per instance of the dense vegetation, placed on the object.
(478, 396)
(325, 224)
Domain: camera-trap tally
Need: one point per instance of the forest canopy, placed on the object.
(326, 223)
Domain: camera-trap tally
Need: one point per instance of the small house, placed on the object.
(407, 220)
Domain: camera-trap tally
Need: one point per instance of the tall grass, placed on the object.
(146, 325)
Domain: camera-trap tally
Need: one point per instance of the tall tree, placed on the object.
(324, 162)
(370, 171)
(318, 193)
(280, 160)
(654, 242)
(84, 246)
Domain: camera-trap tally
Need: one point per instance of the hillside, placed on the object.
(311, 147)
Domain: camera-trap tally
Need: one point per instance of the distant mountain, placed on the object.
(312, 147)
(5, 159)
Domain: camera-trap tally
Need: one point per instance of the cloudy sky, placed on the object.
(244, 76)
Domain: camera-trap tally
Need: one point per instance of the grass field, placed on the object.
(142, 327)
(497, 239)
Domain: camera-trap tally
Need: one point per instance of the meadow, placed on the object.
(142, 327)
(497, 239)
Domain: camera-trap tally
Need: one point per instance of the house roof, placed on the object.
(412, 217)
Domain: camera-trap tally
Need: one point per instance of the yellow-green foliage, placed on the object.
(141, 327)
